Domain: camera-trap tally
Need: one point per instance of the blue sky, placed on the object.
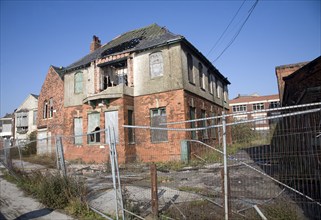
(37, 34)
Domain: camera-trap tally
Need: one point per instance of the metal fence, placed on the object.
(245, 173)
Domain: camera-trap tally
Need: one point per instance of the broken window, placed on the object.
(111, 124)
(192, 116)
(158, 119)
(190, 69)
(131, 131)
(78, 82)
(50, 108)
(93, 127)
(114, 75)
(156, 64)
(45, 109)
(78, 130)
(258, 106)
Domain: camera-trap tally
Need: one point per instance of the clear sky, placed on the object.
(37, 34)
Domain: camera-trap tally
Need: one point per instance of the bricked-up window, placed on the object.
(93, 127)
(212, 131)
(192, 116)
(156, 64)
(258, 106)
(131, 131)
(158, 119)
(51, 108)
(190, 69)
(78, 82)
(239, 108)
(204, 124)
(78, 130)
(45, 109)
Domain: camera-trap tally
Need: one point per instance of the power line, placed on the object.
(238, 32)
(226, 28)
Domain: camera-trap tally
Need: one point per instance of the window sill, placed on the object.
(159, 142)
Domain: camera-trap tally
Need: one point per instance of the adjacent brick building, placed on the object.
(250, 103)
(147, 77)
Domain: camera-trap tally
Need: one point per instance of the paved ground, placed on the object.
(14, 204)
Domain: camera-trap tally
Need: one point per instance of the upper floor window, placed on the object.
(275, 104)
(225, 93)
(190, 69)
(218, 89)
(201, 76)
(34, 122)
(45, 109)
(239, 108)
(51, 108)
(212, 84)
(78, 82)
(156, 64)
(22, 122)
(258, 106)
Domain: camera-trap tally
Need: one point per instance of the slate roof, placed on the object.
(135, 40)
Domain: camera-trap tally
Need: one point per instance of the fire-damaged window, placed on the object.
(156, 64)
(158, 119)
(78, 130)
(22, 122)
(114, 75)
(78, 82)
(93, 128)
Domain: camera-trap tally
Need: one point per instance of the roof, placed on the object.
(7, 116)
(59, 70)
(35, 96)
(242, 99)
(291, 65)
(138, 39)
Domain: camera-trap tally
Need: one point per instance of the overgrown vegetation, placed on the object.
(57, 192)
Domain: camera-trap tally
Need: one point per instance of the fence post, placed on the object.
(60, 156)
(153, 173)
(7, 158)
(226, 189)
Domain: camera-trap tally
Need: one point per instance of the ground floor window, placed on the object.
(78, 130)
(111, 125)
(158, 119)
(192, 116)
(93, 128)
(131, 131)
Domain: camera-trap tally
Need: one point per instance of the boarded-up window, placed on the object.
(93, 127)
(22, 122)
(78, 82)
(158, 119)
(201, 76)
(35, 117)
(131, 131)
(190, 69)
(156, 64)
(218, 88)
(225, 93)
(213, 133)
(204, 124)
(111, 125)
(78, 130)
(192, 114)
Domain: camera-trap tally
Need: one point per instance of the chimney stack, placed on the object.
(95, 44)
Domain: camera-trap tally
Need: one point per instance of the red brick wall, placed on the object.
(53, 87)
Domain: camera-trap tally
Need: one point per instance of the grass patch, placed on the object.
(56, 192)
(45, 160)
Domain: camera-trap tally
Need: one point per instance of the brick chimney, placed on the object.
(95, 44)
